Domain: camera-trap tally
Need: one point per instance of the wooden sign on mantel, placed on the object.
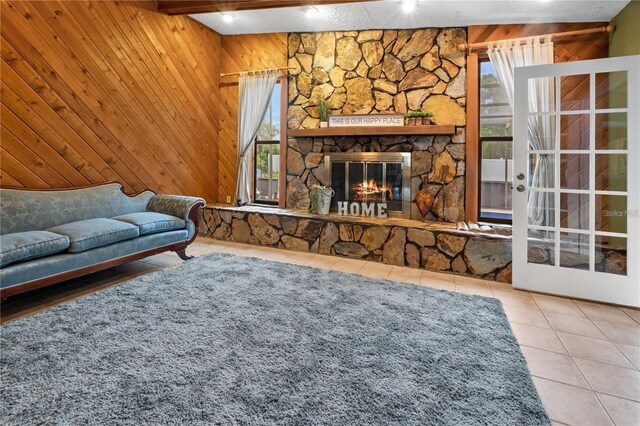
(366, 120)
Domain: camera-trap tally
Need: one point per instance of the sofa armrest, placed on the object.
(180, 206)
(174, 205)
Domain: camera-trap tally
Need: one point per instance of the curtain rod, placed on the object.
(270, 69)
(606, 29)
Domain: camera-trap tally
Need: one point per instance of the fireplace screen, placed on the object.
(371, 177)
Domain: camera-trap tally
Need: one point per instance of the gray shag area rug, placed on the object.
(231, 340)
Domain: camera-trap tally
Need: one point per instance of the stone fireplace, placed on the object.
(371, 177)
(380, 72)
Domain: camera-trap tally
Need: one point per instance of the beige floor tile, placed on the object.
(633, 313)
(631, 352)
(536, 337)
(526, 316)
(621, 333)
(557, 305)
(322, 262)
(517, 298)
(575, 325)
(553, 366)
(478, 288)
(571, 405)
(604, 313)
(612, 380)
(429, 280)
(351, 266)
(593, 349)
(463, 279)
(405, 275)
(623, 411)
(375, 270)
(437, 276)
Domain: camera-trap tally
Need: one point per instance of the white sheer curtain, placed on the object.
(505, 56)
(253, 100)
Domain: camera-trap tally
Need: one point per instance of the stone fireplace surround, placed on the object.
(377, 72)
(438, 161)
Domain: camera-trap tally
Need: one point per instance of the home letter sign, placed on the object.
(363, 209)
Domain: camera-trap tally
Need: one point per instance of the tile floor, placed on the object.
(584, 357)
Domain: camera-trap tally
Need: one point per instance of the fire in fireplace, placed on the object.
(371, 177)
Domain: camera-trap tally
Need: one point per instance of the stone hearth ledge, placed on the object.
(433, 246)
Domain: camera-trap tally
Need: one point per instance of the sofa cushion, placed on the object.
(151, 222)
(88, 234)
(28, 245)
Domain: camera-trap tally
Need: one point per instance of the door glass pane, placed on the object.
(544, 137)
(611, 213)
(611, 90)
(394, 186)
(356, 180)
(541, 210)
(611, 255)
(574, 171)
(338, 175)
(574, 211)
(374, 189)
(574, 131)
(611, 172)
(611, 131)
(540, 247)
(574, 92)
(574, 250)
(541, 171)
(546, 86)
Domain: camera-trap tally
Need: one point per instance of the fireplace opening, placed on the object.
(371, 177)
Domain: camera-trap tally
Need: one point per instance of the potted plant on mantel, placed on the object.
(323, 112)
(320, 199)
(418, 118)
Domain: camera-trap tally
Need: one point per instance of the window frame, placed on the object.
(473, 179)
(281, 201)
(480, 139)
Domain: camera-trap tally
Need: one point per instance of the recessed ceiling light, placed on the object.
(310, 11)
(228, 16)
(409, 5)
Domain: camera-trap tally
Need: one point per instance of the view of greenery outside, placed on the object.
(496, 120)
(267, 154)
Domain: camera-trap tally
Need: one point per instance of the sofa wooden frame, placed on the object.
(179, 248)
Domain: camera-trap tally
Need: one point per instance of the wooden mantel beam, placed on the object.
(183, 7)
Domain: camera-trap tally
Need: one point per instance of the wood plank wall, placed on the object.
(573, 90)
(241, 53)
(108, 91)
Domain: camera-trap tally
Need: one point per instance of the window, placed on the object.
(496, 147)
(267, 153)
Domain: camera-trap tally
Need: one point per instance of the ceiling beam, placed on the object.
(183, 7)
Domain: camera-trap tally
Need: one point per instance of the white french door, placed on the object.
(576, 195)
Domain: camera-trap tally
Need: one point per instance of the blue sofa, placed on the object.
(48, 236)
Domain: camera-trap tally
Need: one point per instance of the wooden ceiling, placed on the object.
(182, 7)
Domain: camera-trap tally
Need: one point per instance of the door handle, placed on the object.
(520, 188)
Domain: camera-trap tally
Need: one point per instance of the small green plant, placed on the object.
(323, 110)
(315, 192)
(416, 114)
